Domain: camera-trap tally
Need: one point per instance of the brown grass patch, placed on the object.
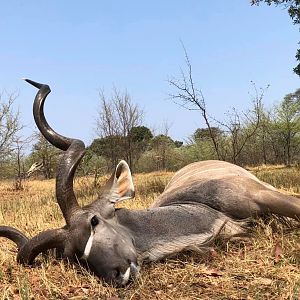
(239, 270)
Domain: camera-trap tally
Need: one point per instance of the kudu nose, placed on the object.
(122, 278)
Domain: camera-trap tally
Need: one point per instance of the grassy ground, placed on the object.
(265, 267)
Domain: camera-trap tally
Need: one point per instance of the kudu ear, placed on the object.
(120, 185)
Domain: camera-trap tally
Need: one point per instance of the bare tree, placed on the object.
(106, 122)
(9, 123)
(191, 98)
(129, 116)
(117, 116)
(45, 153)
(20, 144)
(239, 127)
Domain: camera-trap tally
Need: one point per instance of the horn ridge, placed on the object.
(14, 235)
(74, 151)
(66, 169)
(52, 136)
(29, 249)
(49, 239)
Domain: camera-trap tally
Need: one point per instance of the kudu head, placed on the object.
(92, 234)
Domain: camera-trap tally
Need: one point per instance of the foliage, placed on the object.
(293, 7)
(203, 134)
(256, 136)
(161, 145)
(45, 153)
(140, 138)
(178, 144)
(140, 134)
(109, 147)
(241, 139)
(288, 123)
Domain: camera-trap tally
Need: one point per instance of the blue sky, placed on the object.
(80, 47)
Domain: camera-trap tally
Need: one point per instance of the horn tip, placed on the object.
(35, 84)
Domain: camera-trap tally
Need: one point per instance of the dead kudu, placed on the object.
(204, 200)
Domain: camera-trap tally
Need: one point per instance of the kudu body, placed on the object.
(204, 200)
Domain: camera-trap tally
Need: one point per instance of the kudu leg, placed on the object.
(275, 202)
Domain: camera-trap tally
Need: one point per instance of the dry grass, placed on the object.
(240, 270)
(287, 179)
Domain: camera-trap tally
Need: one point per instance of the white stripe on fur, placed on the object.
(88, 245)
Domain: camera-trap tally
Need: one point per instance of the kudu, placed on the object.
(204, 200)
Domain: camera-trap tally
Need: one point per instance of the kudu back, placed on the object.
(203, 201)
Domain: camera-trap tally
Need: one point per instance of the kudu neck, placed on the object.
(162, 231)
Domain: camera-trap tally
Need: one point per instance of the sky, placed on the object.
(82, 47)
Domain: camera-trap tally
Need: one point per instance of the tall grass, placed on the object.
(239, 270)
(284, 178)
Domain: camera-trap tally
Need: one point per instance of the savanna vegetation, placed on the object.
(256, 136)
(266, 266)
(264, 139)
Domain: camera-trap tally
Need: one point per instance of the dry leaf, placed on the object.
(264, 281)
(212, 272)
(277, 252)
(213, 253)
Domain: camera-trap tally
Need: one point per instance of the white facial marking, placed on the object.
(125, 277)
(88, 245)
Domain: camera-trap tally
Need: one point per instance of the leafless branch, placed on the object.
(189, 97)
(9, 123)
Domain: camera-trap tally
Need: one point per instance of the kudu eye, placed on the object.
(94, 221)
